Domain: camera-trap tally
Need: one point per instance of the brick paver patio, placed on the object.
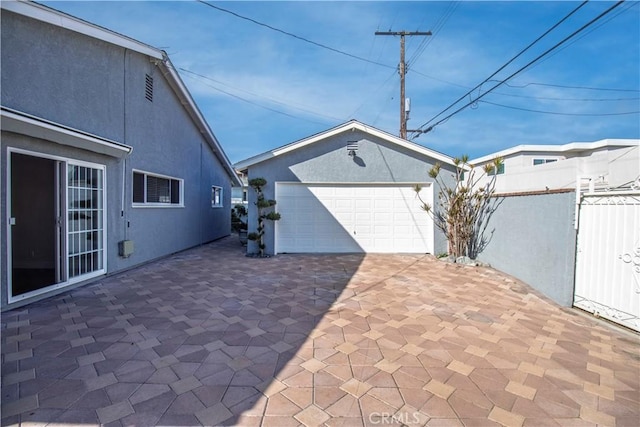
(210, 337)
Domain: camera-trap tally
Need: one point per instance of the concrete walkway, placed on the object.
(210, 337)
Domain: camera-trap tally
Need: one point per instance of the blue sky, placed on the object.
(260, 89)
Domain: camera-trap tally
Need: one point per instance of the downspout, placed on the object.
(202, 210)
(124, 136)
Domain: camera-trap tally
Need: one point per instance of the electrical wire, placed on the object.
(324, 46)
(550, 98)
(507, 63)
(570, 87)
(559, 113)
(425, 42)
(545, 53)
(372, 94)
(623, 10)
(288, 105)
(256, 104)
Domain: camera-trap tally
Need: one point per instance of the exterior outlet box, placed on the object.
(125, 248)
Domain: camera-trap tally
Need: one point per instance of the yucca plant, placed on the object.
(265, 212)
(465, 207)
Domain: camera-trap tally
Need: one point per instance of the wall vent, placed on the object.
(148, 87)
(352, 148)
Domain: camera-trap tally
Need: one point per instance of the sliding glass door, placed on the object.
(57, 222)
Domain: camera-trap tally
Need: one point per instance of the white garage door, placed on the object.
(352, 218)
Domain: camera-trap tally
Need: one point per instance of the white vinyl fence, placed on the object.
(607, 277)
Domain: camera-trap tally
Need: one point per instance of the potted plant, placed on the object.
(265, 212)
(239, 223)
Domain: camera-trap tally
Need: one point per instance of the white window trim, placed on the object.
(544, 159)
(220, 197)
(11, 299)
(157, 205)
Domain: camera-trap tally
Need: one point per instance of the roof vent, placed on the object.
(148, 87)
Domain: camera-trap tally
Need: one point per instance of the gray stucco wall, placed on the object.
(534, 240)
(326, 161)
(98, 88)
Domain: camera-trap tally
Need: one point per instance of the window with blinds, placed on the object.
(156, 190)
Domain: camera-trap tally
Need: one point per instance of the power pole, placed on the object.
(402, 67)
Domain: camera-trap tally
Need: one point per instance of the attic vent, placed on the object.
(148, 87)
(352, 147)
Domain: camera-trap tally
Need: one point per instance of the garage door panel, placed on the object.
(362, 204)
(351, 218)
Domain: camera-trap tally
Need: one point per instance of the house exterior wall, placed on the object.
(606, 167)
(99, 88)
(533, 238)
(327, 161)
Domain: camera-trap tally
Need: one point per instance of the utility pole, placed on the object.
(402, 69)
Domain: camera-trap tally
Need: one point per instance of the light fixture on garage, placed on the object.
(352, 147)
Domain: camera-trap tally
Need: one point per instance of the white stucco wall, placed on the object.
(607, 167)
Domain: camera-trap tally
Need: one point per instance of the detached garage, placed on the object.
(348, 189)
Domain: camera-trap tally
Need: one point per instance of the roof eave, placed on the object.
(25, 124)
(189, 104)
(566, 148)
(348, 126)
(60, 19)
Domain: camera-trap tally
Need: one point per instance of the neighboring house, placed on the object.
(107, 162)
(348, 189)
(608, 163)
(239, 195)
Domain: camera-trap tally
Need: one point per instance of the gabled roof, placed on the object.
(345, 127)
(566, 148)
(54, 17)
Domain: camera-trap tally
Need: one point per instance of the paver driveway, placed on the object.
(210, 337)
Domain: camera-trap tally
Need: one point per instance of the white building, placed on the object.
(604, 164)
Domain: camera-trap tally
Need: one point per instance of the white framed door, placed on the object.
(57, 225)
(607, 278)
(343, 218)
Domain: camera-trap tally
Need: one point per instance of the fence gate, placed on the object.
(607, 280)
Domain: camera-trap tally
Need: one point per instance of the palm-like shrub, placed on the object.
(465, 207)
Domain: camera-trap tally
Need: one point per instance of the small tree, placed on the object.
(265, 212)
(465, 207)
(238, 216)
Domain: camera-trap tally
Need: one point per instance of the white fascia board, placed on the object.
(62, 20)
(190, 105)
(351, 125)
(404, 143)
(572, 146)
(20, 123)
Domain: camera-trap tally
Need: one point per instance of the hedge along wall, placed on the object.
(532, 237)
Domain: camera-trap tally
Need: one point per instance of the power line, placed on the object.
(571, 87)
(560, 113)
(623, 10)
(508, 62)
(424, 43)
(570, 36)
(262, 24)
(258, 105)
(288, 105)
(551, 98)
